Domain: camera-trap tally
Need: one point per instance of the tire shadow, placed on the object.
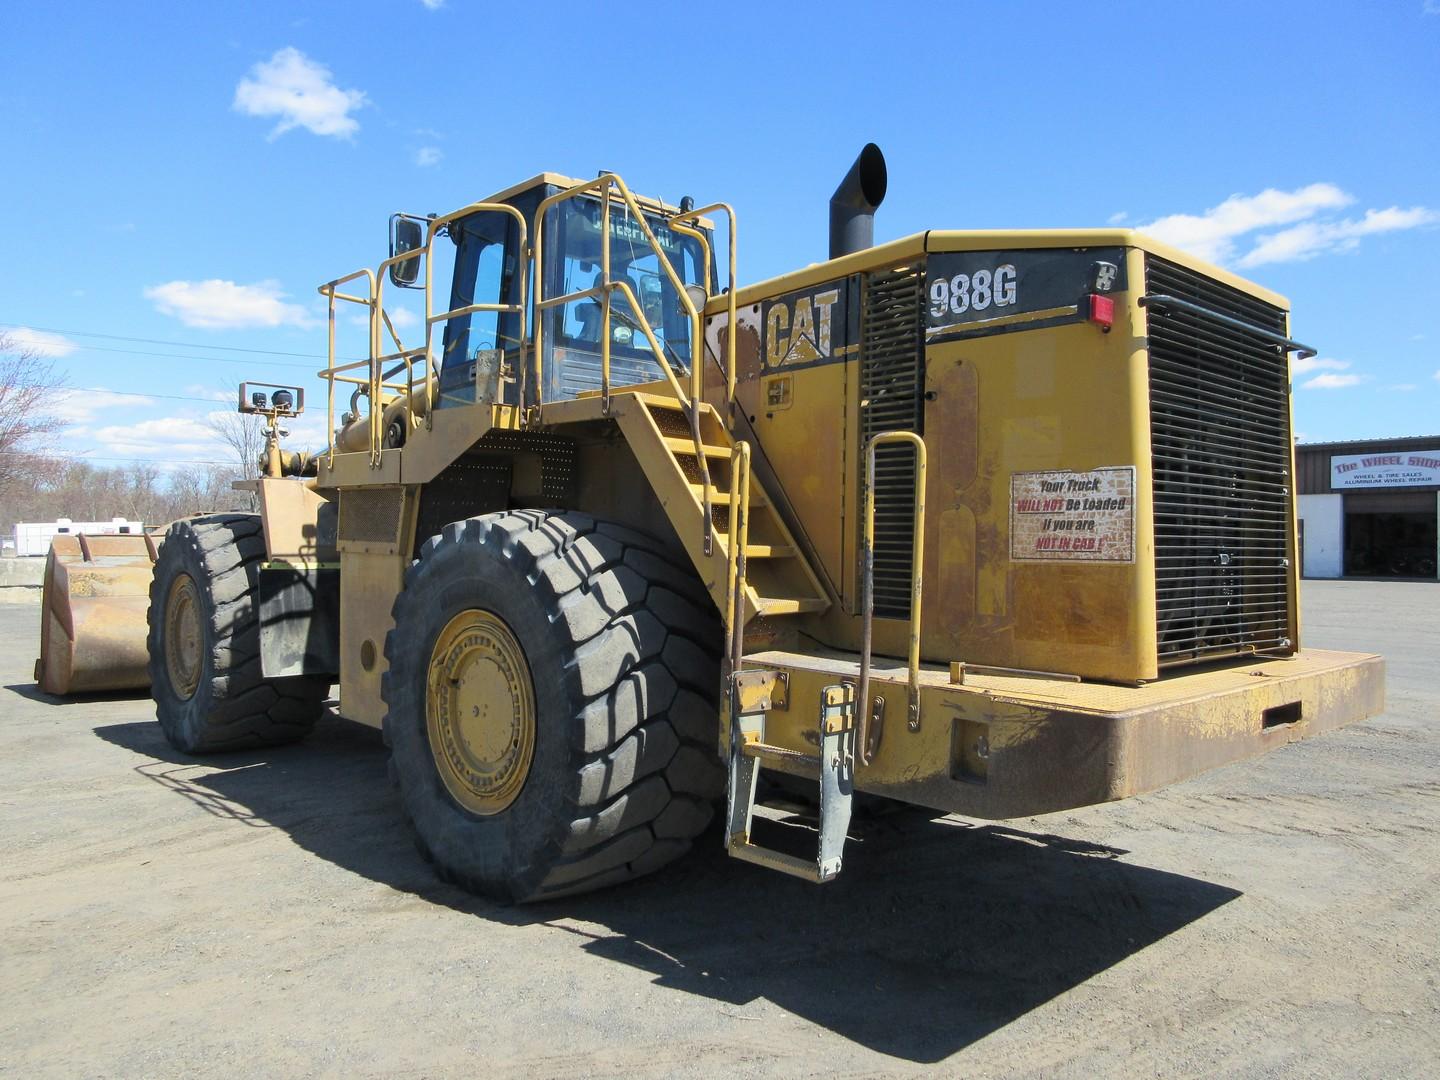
(937, 934)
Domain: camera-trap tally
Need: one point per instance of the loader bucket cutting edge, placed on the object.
(93, 624)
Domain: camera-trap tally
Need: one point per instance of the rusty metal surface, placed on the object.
(93, 614)
(1003, 746)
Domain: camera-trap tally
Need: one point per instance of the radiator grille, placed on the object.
(892, 385)
(1220, 432)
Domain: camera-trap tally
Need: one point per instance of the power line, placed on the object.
(157, 341)
(127, 393)
(204, 359)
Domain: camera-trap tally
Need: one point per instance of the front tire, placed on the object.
(551, 703)
(204, 642)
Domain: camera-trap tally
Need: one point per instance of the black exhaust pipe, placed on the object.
(852, 207)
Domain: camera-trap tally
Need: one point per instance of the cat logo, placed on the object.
(809, 327)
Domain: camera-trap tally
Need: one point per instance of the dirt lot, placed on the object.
(266, 914)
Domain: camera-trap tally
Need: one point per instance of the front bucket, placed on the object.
(93, 624)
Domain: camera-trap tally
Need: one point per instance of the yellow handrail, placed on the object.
(675, 223)
(328, 290)
(739, 538)
(436, 224)
(867, 586)
(604, 185)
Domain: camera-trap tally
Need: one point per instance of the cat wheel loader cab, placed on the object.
(998, 523)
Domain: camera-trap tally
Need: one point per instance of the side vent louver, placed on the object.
(892, 383)
(1220, 430)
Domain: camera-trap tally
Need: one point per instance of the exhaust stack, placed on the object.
(852, 207)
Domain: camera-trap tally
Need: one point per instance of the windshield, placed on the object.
(573, 330)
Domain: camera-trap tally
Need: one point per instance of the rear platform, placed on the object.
(1002, 745)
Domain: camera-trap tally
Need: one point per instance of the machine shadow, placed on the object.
(32, 691)
(937, 934)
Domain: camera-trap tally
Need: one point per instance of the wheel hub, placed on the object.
(183, 637)
(480, 711)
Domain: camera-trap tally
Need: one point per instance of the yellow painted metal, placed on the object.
(864, 736)
(731, 306)
(1058, 398)
(289, 513)
(413, 398)
(184, 638)
(1005, 745)
(910, 247)
(480, 711)
(735, 559)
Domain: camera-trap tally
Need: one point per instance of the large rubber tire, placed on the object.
(622, 643)
(232, 705)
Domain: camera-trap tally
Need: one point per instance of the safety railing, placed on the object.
(606, 187)
(738, 530)
(868, 726)
(414, 362)
(340, 373)
(677, 222)
(432, 319)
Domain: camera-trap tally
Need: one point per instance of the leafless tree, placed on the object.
(244, 434)
(28, 385)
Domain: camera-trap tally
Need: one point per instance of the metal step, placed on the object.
(790, 605)
(721, 498)
(834, 768)
(687, 446)
(769, 551)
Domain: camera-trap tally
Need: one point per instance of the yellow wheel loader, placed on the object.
(998, 523)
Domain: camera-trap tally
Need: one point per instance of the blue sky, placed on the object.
(180, 177)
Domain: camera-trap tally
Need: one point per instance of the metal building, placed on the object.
(1370, 508)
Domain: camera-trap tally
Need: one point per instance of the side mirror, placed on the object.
(406, 235)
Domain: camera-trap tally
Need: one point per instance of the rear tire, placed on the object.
(593, 654)
(204, 644)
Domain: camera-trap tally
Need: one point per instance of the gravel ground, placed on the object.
(266, 914)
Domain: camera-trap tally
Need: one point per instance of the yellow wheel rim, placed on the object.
(480, 711)
(183, 637)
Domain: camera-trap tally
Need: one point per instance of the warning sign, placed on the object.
(1082, 516)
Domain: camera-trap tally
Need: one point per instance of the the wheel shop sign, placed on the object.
(1407, 468)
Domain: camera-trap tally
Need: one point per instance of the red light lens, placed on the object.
(1102, 310)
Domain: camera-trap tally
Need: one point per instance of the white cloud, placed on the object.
(215, 304)
(81, 406)
(1437, 376)
(1333, 382)
(1319, 237)
(428, 156)
(1216, 234)
(433, 5)
(172, 436)
(39, 342)
(1300, 365)
(1117, 219)
(1212, 235)
(1406, 386)
(300, 92)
